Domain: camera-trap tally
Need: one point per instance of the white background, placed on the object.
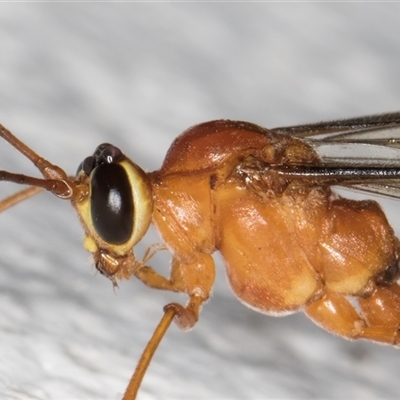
(75, 75)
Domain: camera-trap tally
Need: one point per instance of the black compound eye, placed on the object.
(112, 209)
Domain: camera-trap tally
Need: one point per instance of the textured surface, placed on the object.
(76, 75)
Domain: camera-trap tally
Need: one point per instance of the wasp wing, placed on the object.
(365, 142)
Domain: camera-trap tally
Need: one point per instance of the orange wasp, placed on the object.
(263, 199)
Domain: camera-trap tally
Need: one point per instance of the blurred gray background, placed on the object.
(137, 74)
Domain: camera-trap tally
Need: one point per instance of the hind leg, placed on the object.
(379, 319)
(382, 308)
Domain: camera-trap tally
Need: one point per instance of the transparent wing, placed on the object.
(366, 142)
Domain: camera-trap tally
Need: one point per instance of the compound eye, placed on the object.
(112, 208)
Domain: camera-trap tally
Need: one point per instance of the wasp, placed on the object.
(263, 198)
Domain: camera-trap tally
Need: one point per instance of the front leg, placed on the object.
(194, 277)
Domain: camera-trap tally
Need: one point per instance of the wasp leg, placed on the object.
(336, 314)
(195, 279)
(186, 317)
(154, 280)
(382, 309)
